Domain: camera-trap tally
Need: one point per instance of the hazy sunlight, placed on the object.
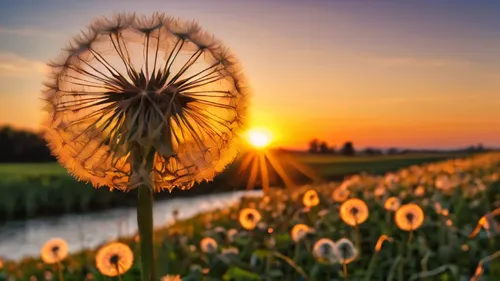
(259, 138)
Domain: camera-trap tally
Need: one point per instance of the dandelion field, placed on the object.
(430, 222)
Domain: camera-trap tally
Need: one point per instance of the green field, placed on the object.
(29, 190)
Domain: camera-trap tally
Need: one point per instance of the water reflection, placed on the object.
(25, 238)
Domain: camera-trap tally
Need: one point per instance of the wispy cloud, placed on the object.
(13, 65)
(27, 31)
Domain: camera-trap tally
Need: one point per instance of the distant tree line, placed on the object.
(317, 146)
(347, 149)
(20, 146)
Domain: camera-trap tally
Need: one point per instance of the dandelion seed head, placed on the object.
(208, 245)
(151, 90)
(340, 194)
(310, 198)
(53, 251)
(346, 251)
(409, 217)
(325, 251)
(299, 231)
(114, 259)
(249, 218)
(392, 204)
(354, 211)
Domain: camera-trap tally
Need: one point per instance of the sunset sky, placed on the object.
(420, 74)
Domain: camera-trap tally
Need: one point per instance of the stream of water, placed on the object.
(20, 239)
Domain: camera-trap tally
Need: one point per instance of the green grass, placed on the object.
(335, 167)
(29, 190)
(27, 170)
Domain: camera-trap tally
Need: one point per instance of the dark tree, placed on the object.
(348, 149)
(323, 147)
(372, 151)
(314, 146)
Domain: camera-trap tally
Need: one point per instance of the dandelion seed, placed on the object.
(114, 259)
(381, 240)
(249, 218)
(54, 251)
(409, 217)
(171, 278)
(208, 245)
(299, 231)
(325, 251)
(310, 199)
(354, 211)
(392, 204)
(346, 251)
(159, 92)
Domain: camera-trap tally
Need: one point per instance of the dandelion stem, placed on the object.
(59, 270)
(118, 270)
(357, 239)
(145, 223)
(344, 265)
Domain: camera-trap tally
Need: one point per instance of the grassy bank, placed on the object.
(453, 197)
(29, 190)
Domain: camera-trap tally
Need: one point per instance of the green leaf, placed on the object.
(239, 274)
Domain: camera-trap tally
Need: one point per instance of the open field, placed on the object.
(451, 232)
(46, 188)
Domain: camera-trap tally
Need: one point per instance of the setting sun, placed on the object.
(259, 138)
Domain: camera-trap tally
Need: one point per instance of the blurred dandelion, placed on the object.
(392, 204)
(346, 253)
(299, 231)
(114, 259)
(487, 222)
(54, 251)
(354, 211)
(325, 251)
(310, 198)
(208, 245)
(231, 235)
(340, 194)
(249, 218)
(153, 103)
(409, 217)
(419, 191)
(380, 241)
(171, 278)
